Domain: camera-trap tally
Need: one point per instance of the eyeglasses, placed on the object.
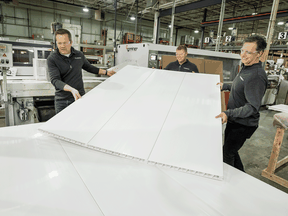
(247, 52)
(180, 54)
(63, 43)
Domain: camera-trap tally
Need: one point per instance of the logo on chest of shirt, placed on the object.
(77, 58)
(186, 68)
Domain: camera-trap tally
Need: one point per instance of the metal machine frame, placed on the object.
(149, 55)
(30, 92)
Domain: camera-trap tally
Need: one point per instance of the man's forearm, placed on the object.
(107, 72)
(102, 72)
(73, 91)
(68, 88)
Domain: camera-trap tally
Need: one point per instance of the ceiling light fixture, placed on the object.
(196, 31)
(254, 13)
(280, 23)
(169, 26)
(85, 9)
(230, 28)
(132, 18)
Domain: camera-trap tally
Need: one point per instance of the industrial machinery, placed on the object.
(100, 56)
(30, 95)
(189, 41)
(6, 62)
(27, 83)
(277, 90)
(152, 55)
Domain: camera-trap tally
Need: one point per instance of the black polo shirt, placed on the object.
(68, 70)
(185, 67)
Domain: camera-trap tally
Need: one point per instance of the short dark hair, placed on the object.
(62, 32)
(182, 47)
(259, 40)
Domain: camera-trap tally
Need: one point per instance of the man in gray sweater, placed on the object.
(248, 88)
(65, 69)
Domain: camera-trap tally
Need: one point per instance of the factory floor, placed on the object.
(256, 151)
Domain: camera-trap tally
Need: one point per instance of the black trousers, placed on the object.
(235, 136)
(62, 104)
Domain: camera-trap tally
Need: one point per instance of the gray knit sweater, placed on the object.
(246, 94)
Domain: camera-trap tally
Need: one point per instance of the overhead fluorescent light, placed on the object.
(85, 9)
(169, 26)
(132, 18)
(230, 28)
(254, 13)
(280, 23)
(196, 31)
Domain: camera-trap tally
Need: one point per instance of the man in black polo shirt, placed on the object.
(246, 93)
(65, 69)
(182, 64)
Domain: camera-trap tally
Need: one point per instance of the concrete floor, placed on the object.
(256, 151)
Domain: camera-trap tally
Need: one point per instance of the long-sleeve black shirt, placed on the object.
(246, 94)
(185, 67)
(68, 70)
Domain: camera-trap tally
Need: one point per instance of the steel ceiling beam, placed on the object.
(245, 18)
(72, 4)
(191, 6)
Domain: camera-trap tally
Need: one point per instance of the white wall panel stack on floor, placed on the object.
(158, 116)
(279, 107)
(42, 175)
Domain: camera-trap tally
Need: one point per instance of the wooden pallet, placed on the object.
(269, 172)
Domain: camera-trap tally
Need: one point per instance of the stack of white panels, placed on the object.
(157, 116)
(42, 175)
(279, 107)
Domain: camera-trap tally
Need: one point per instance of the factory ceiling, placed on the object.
(248, 16)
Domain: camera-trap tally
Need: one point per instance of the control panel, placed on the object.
(6, 59)
(153, 60)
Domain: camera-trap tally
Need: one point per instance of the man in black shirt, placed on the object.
(248, 88)
(182, 64)
(65, 69)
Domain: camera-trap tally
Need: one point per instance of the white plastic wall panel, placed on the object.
(37, 177)
(141, 112)
(41, 175)
(279, 107)
(191, 137)
(134, 129)
(127, 187)
(86, 116)
(238, 194)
